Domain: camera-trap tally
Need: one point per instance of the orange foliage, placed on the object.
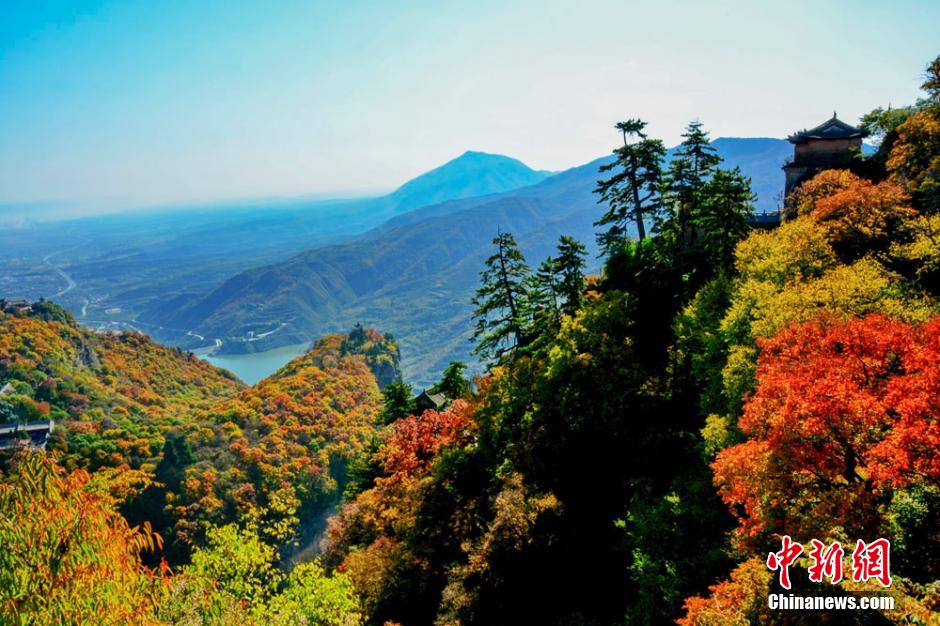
(115, 393)
(823, 185)
(739, 600)
(863, 214)
(418, 439)
(915, 156)
(68, 557)
(843, 412)
(365, 535)
(282, 435)
(855, 214)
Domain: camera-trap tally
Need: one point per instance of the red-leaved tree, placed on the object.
(843, 414)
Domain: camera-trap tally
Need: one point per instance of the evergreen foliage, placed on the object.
(570, 264)
(453, 383)
(398, 401)
(502, 304)
(632, 191)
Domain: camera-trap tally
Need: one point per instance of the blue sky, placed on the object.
(121, 104)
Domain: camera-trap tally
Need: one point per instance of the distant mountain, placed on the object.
(470, 174)
(414, 275)
(127, 263)
(761, 159)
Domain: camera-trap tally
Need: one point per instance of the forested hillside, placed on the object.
(644, 446)
(177, 446)
(112, 395)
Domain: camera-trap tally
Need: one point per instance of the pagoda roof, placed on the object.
(833, 128)
(436, 399)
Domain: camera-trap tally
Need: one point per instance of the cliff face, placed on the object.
(381, 353)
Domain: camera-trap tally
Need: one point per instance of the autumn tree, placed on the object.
(234, 578)
(823, 185)
(858, 216)
(68, 556)
(502, 301)
(632, 190)
(742, 599)
(843, 413)
(931, 84)
(417, 440)
(863, 217)
(882, 125)
(914, 159)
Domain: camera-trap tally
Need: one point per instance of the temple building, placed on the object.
(832, 144)
(426, 401)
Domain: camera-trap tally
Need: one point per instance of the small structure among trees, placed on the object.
(427, 401)
(832, 144)
(25, 434)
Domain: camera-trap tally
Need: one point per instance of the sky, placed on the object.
(130, 103)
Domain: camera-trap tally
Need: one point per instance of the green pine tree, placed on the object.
(398, 401)
(501, 301)
(692, 165)
(544, 298)
(721, 219)
(570, 266)
(632, 192)
(453, 383)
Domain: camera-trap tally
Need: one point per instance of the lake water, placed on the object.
(253, 367)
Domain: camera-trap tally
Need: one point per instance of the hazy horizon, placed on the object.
(19, 213)
(130, 104)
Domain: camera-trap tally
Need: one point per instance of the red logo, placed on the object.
(784, 559)
(872, 560)
(826, 562)
(869, 561)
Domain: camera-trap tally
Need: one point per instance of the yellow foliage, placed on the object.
(924, 248)
(790, 276)
(716, 434)
(796, 251)
(845, 291)
(370, 568)
(67, 556)
(516, 512)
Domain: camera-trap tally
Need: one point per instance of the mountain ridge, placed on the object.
(473, 173)
(414, 274)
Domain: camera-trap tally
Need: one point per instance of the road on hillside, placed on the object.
(69, 283)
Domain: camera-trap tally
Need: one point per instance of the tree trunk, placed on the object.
(637, 208)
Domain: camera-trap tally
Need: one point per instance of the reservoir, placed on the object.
(253, 367)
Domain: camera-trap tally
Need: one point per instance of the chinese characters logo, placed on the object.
(870, 561)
